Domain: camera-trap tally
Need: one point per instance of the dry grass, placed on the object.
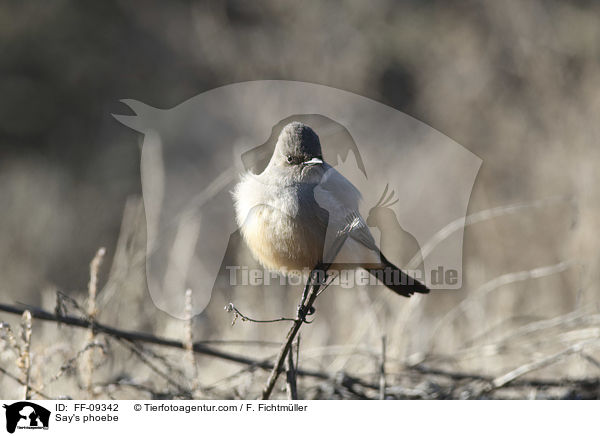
(492, 363)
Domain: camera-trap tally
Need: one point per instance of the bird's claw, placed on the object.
(304, 311)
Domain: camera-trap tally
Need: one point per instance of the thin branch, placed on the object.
(291, 377)
(189, 341)
(62, 299)
(350, 384)
(231, 308)
(382, 370)
(311, 291)
(126, 383)
(21, 382)
(199, 347)
(25, 357)
(477, 217)
(328, 284)
(541, 363)
(590, 359)
(92, 312)
(496, 283)
(133, 348)
(464, 376)
(238, 342)
(70, 364)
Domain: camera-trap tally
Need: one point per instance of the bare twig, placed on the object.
(6, 334)
(590, 359)
(464, 376)
(382, 370)
(282, 355)
(541, 363)
(497, 282)
(511, 337)
(93, 284)
(25, 357)
(70, 364)
(120, 383)
(189, 340)
(311, 291)
(239, 342)
(134, 349)
(236, 313)
(343, 384)
(291, 377)
(61, 304)
(21, 382)
(461, 223)
(199, 346)
(92, 311)
(477, 217)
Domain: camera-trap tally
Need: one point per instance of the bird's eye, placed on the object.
(290, 159)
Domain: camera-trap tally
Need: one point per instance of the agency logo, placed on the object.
(414, 182)
(25, 415)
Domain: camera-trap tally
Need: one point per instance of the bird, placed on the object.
(300, 212)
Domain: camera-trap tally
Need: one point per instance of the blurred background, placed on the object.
(516, 83)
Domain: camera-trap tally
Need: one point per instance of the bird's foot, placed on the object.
(304, 311)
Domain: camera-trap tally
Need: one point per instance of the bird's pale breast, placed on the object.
(279, 241)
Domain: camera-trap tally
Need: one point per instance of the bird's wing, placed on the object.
(359, 231)
(340, 198)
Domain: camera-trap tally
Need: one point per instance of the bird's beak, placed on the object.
(313, 161)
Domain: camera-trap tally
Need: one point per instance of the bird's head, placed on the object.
(298, 150)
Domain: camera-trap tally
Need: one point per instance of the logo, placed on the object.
(415, 184)
(26, 415)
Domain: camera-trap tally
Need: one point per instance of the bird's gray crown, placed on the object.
(298, 139)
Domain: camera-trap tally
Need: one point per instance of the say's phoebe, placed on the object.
(300, 212)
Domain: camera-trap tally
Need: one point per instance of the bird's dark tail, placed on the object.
(396, 279)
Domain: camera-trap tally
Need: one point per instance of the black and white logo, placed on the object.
(26, 415)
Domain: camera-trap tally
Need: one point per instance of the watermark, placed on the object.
(344, 278)
(415, 183)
